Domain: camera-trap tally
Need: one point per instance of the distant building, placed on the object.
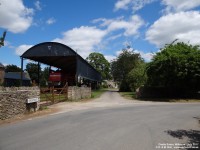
(14, 79)
(2, 73)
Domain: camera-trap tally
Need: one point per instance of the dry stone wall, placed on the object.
(13, 100)
(76, 93)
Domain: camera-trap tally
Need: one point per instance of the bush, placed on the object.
(175, 66)
(166, 92)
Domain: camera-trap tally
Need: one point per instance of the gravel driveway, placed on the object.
(110, 98)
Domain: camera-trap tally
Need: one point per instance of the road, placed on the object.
(117, 125)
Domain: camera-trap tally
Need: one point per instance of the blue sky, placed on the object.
(105, 26)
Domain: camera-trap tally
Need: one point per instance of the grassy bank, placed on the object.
(128, 95)
(131, 96)
(97, 93)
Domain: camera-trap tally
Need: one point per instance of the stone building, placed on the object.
(2, 73)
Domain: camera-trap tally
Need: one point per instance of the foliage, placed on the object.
(32, 69)
(98, 61)
(104, 85)
(12, 68)
(97, 93)
(176, 65)
(44, 77)
(137, 76)
(2, 39)
(121, 67)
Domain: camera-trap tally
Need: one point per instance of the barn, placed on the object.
(74, 69)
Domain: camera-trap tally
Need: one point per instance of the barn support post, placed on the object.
(77, 69)
(38, 74)
(22, 64)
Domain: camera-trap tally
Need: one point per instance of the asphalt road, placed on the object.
(130, 126)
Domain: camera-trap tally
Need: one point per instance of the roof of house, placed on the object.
(1, 65)
(17, 76)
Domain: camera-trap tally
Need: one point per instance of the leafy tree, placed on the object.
(12, 68)
(44, 77)
(176, 65)
(98, 61)
(32, 69)
(121, 67)
(137, 76)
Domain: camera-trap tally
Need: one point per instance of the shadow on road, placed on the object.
(192, 135)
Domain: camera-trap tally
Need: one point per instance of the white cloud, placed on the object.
(110, 57)
(14, 16)
(120, 51)
(122, 4)
(180, 5)
(114, 37)
(134, 4)
(171, 5)
(8, 44)
(146, 56)
(50, 21)
(183, 26)
(38, 5)
(130, 26)
(84, 39)
(5, 64)
(22, 48)
(139, 4)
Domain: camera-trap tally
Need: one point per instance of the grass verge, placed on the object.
(171, 100)
(128, 95)
(97, 93)
(131, 96)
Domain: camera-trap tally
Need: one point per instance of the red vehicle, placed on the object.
(55, 78)
(59, 78)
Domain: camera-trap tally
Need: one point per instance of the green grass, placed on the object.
(131, 96)
(97, 93)
(128, 95)
(171, 100)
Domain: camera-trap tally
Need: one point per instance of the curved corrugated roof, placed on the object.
(63, 57)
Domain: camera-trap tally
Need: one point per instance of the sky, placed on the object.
(104, 26)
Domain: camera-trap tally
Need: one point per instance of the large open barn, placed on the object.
(72, 67)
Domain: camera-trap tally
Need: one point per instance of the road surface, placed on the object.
(117, 125)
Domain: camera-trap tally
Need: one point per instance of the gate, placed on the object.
(53, 94)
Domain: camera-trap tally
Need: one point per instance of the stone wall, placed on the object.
(13, 100)
(76, 93)
(2, 74)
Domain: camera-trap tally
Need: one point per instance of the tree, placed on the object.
(137, 76)
(44, 77)
(12, 68)
(32, 69)
(176, 65)
(121, 67)
(98, 61)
